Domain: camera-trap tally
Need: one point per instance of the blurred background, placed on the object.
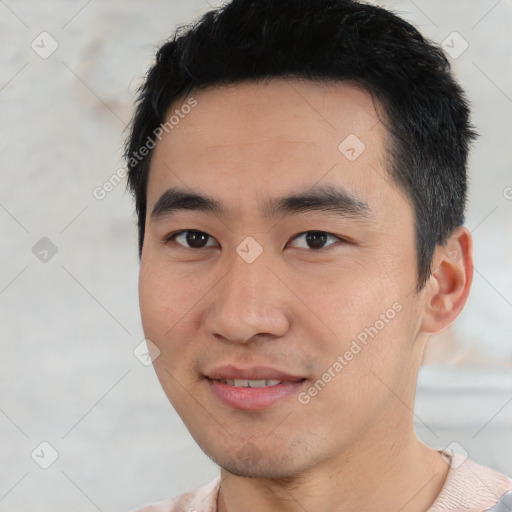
(84, 424)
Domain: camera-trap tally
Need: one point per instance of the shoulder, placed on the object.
(202, 499)
(471, 487)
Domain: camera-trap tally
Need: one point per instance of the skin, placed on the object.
(296, 308)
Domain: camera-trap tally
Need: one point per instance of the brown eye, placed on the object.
(190, 239)
(316, 239)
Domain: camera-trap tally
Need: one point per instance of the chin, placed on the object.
(250, 462)
(260, 470)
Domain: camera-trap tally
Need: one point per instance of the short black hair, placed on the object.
(425, 110)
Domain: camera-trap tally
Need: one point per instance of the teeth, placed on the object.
(257, 383)
(246, 383)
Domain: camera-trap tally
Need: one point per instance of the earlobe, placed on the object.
(448, 287)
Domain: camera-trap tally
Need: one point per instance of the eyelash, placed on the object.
(172, 237)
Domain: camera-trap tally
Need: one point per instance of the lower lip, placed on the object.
(253, 399)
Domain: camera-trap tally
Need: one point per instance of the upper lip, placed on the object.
(252, 373)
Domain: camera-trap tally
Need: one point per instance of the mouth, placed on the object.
(246, 383)
(254, 388)
(255, 374)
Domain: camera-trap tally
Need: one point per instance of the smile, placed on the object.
(253, 394)
(246, 383)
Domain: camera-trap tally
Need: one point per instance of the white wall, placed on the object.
(69, 325)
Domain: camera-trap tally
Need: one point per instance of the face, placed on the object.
(286, 328)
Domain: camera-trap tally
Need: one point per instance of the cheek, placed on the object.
(165, 297)
(367, 329)
(359, 381)
(166, 302)
(165, 312)
(351, 301)
(155, 304)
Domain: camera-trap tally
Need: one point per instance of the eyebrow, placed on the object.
(326, 198)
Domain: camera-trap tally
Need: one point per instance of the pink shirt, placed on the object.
(469, 487)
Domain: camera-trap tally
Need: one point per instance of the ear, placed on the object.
(448, 287)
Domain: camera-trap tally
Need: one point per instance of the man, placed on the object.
(299, 171)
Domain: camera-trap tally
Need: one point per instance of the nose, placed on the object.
(249, 302)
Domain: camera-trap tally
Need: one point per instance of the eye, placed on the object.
(195, 239)
(316, 239)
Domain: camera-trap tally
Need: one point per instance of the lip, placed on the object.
(252, 399)
(253, 373)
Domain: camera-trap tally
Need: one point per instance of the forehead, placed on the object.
(287, 110)
(247, 141)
